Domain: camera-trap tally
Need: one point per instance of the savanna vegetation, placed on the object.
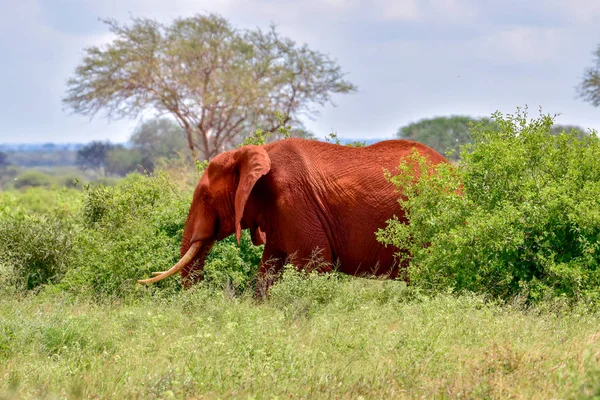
(504, 294)
(503, 300)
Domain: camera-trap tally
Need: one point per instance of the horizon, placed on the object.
(40, 144)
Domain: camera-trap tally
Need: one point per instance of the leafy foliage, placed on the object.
(130, 230)
(63, 203)
(35, 249)
(121, 161)
(231, 266)
(518, 216)
(578, 130)
(215, 80)
(259, 136)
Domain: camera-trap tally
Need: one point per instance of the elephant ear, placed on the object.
(252, 162)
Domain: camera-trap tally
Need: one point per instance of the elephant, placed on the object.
(300, 198)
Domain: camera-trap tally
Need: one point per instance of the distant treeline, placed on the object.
(39, 147)
(163, 139)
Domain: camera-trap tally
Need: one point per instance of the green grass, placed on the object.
(74, 324)
(315, 337)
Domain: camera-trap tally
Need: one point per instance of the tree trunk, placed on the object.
(190, 139)
(206, 142)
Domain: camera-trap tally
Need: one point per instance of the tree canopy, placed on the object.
(441, 133)
(217, 81)
(558, 129)
(94, 156)
(156, 138)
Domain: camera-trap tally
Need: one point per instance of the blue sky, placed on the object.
(410, 59)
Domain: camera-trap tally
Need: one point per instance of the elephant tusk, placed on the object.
(185, 260)
(158, 273)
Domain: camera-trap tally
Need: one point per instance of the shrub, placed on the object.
(7, 176)
(32, 179)
(134, 228)
(71, 180)
(528, 219)
(129, 230)
(101, 239)
(34, 250)
(233, 266)
(300, 293)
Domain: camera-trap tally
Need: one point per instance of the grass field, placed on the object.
(315, 337)
(525, 232)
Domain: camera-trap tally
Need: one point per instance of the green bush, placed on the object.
(7, 176)
(519, 215)
(136, 227)
(37, 230)
(101, 239)
(34, 250)
(233, 266)
(129, 230)
(302, 293)
(71, 180)
(33, 179)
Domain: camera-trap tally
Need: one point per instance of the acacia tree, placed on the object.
(217, 81)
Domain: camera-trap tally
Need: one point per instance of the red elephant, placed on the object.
(299, 198)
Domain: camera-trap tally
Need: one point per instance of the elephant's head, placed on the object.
(217, 208)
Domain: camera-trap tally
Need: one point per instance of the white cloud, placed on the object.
(406, 10)
(428, 10)
(339, 3)
(160, 9)
(458, 10)
(522, 45)
(580, 11)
